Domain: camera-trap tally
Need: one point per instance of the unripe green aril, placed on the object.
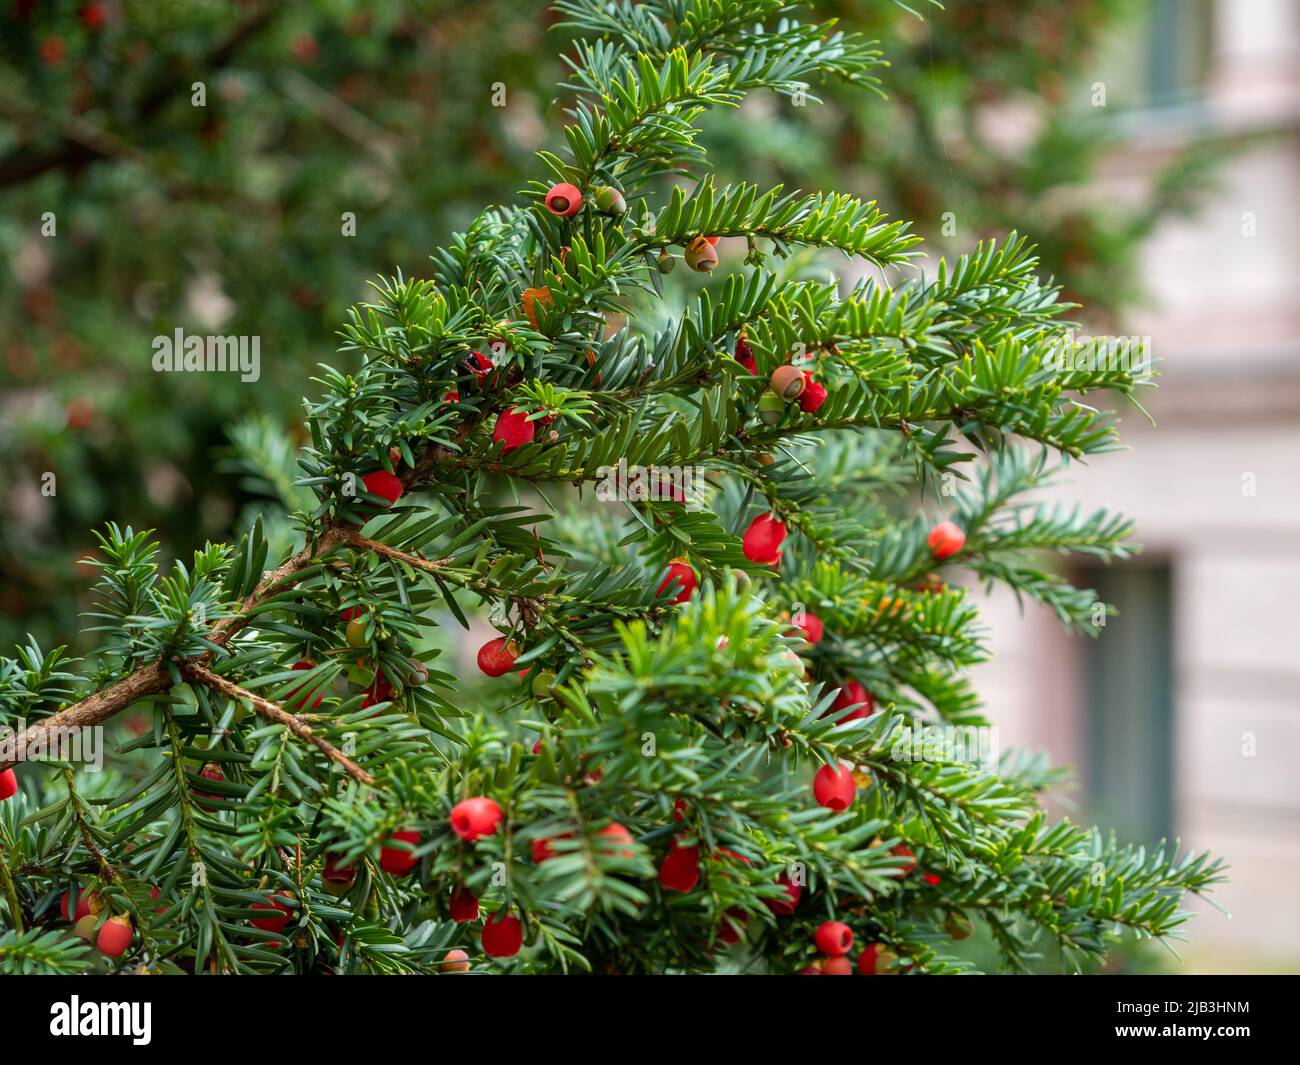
(770, 407)
(610, 200)
(356, 633)
(666, 263)
(543, 682)
(418, 675)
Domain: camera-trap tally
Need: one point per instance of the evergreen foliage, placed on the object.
(281, 735)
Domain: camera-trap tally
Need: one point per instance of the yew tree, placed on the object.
(728, 514)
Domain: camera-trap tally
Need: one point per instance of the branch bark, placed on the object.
(414, 561)
(272, 712)
(93, 710)
(154, 678)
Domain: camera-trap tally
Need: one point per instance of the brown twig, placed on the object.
(191, 670)
(94, 709)
(332, 537)
(154, 678)
(414, 561)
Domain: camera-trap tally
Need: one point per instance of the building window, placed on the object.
(1128, 679)
(1159, 56)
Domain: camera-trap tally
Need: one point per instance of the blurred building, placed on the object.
(1183, 719)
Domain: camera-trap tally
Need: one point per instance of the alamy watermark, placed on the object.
(1131, 354)
(975, 744)
(133, 1020)
(54, 743)
(651, 484)
(179, 353)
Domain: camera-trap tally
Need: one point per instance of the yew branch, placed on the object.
(414, 561)
(273, 712)
(154, 678)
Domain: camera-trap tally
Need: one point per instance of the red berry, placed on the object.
(541, 848)
(86, 902)
(384, 484)
(933, 879)
(785, 907)
(336, 878)
(8, 784)
(380, 691)
(813, 394)
(732, 926)
(497, 657)
(503, 934)
(80, 414)
(305, 48)
(93, 16)
(834, 939)
(281, 913)
(513, 429)
(464, 905)
(683, 576)
(834, 788)
(456, 961)
(875, 960)
(945, 540)
(52, 51)
(680, 871)
(904, 851)
(810, 970)
(611, 836)
(211, 771)
(679, 810)
(301, 702)
(475, 817)
(669, 489)
(812, 628)
(745, 356)
(397, 860)
(853, 694)
(725, 853)
(564, 200)
(837, 967)
(762, 540)
(115, 936)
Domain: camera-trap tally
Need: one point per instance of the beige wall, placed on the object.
(1227, 325)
